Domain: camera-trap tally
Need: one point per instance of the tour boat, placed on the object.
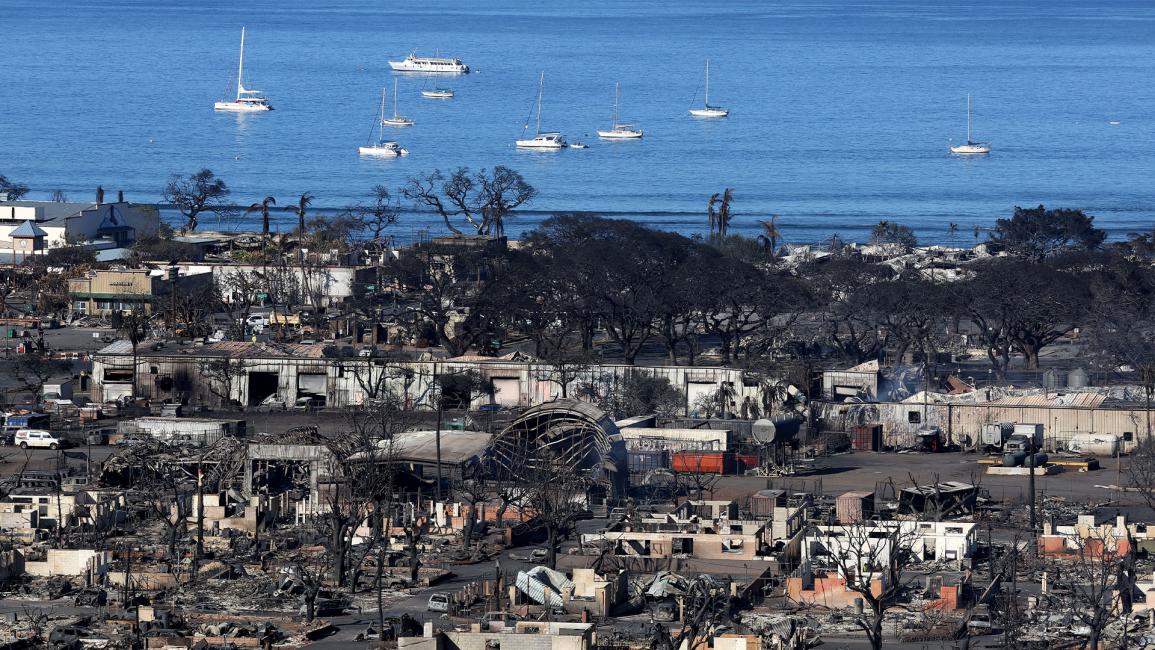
(396, 120)
(970, 148)
(438, 93)
(619, 131)
(707, 110)
(541, 140)
(247, 100)
(382, 147)
(414, 63)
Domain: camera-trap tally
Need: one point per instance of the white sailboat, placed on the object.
(542, 140)
(247, 100)
(971, 148)
(619, 131)
(707, 110)
(396, 120)
(382, 148)
(438, 93)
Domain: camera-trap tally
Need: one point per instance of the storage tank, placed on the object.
(1094, 444)
(1014, 459)
(1077, 378)
(778, 430)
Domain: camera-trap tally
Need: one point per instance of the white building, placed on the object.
(69, 223)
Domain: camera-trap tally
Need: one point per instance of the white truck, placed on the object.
(1012, 438)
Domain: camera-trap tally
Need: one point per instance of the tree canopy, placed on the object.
(1039, 233)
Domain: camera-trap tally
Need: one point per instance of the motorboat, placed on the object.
(971, 148)
(397, 119)
(707, 110)
(381, 147)
(545, 140)
(414, 63)
(619, 131)
(247, 99)
(578, 145)
(438, 93)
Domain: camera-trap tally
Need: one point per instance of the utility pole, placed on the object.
(436, 391)
(1031, 475)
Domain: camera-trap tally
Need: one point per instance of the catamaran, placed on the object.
(396, 120)
(248, 100)
(619, 131)
(971, 148)
(707, 110)
(384, 148)
(542, 139)
(414, 63)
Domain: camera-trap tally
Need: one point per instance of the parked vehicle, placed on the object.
(309, 403)
(273, 403)
(438, 603)
(26, 438)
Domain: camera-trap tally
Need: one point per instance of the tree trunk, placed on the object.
(551, 558)
(1031, 353)
(311, 603)
(414, 562)
(339, 552)
(470, 515)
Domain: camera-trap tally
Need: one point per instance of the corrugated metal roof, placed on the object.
(1075, 400)
(231, 349)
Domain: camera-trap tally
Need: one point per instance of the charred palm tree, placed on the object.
(263, 207)
(770, 235)
(718, 212)
(303, 204)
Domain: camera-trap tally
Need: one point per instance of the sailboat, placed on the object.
(383, 148)
(971, 148)
(619, 131)
(438, 93)
(540, 139)
(247, 100)
(396, 120)
(707, 110)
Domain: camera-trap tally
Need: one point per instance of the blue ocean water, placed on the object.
(841, 112)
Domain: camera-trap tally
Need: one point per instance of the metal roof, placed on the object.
(230, 349)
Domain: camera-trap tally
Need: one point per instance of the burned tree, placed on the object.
(481, 200)
(195, 194)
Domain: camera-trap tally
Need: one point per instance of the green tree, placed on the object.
(196, 194)
(889, 232)
(13, 190)
(1039, 233)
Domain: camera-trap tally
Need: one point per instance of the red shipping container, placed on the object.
(866, 438)
(744, 462)
(702, 462)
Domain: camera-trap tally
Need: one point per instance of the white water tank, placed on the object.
(1077, 378)
(1094, 444)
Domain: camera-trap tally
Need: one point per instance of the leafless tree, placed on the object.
(221, 377)
(481, 200)
(557, 495)
(195, 194)
(1093, 580)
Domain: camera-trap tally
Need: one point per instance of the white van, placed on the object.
(26, 438)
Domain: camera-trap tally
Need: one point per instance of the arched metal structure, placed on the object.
(566, 432)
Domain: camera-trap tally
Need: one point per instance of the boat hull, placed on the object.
(620, 134)
(971, 150)
(406, 66)
(382, 152)
(397, 123)
(241, 107)
(534, 144)
(709, 112)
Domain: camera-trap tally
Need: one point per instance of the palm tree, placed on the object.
(303, 204)
(770, 235)
(720, 218)
(263, 207)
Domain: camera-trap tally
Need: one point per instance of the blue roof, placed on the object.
(28, 229)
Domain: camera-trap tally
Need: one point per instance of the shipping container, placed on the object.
(866, 438)
(763, 502)
(702, 462)
(854, 507)
(640, 461)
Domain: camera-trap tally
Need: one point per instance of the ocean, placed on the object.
(841, 113)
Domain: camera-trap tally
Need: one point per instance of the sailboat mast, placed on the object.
(540, 89)
(381, 117)
(394, 98)
(617, 91)
(707, 83)
(968, 118)
(241, 66)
